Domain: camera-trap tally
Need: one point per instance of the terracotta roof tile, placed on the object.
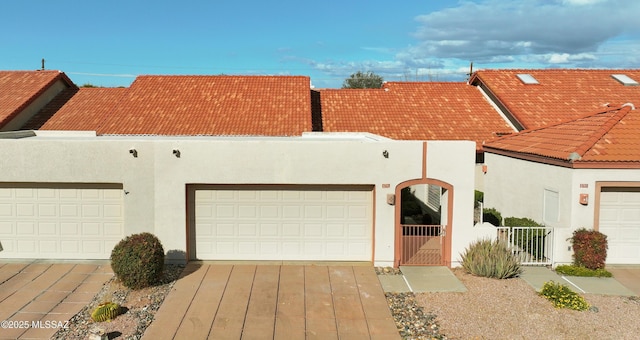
(610, 135)
(413, 111)
(560, 95)
(213, 105)
(18, 89)
(78, 109)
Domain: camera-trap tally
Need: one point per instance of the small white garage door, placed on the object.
(60, 221)
(620, 221)
(282, 223)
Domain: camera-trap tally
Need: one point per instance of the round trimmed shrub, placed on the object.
(138, 260)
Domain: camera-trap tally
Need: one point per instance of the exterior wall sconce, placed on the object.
(385, 153)
(176, 153)
(391, 199)
(584, 199)
(133, 152)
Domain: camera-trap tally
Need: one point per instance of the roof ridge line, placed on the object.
(622, 111)
(607, 109)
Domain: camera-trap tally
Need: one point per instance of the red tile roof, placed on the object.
(18, 89)
(413, 111)
(77, 109)
(561, 94)
(610, 136)
(213, 105)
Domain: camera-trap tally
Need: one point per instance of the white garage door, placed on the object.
(60, 221)
(282, 223)
(620, 221)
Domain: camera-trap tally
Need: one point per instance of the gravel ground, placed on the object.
(511, 309)
(140, 306)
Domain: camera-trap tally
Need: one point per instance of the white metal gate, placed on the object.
(532, 245)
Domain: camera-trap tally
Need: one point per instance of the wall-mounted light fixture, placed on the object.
(133, 152)
(176, 153)
(385, 153)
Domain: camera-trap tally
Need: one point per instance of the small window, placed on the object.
(624, 79)
(433, 197)
(527, 79)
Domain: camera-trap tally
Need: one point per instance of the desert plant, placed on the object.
(490, 258)
(589, 248)
(492, 216)
(106, 312)
(572, 270)
(138, 260)
(563, 297)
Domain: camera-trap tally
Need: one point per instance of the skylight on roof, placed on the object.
(624, 79)
(527, 79)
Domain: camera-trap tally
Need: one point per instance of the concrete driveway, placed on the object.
(38, 297)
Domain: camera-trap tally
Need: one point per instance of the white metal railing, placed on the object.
(532, 245)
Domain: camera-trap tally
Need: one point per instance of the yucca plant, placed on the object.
(490, 258)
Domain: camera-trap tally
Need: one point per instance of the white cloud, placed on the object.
(489, 29)
(511, 34)
(563, 58)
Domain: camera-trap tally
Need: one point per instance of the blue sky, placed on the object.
(108, 43)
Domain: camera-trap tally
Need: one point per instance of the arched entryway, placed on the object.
(423, 223)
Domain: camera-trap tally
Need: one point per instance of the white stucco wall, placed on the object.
(156, 180)
(459, 171)
(516, 188)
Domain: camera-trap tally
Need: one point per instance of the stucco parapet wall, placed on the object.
(307, 136)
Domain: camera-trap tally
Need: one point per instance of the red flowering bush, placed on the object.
(589, 248)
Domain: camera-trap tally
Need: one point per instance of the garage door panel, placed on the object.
(267, 223)
(47, 229)
(620, 221)
(26, 229)
(25, 210)
(60, 221)
(269, 229)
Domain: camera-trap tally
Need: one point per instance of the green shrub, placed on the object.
(492, 216)
(571, 270)
(531, 241)
(563, 297)
(521, 222)
(589, 248)
(490, 258)
(138, 260)
(478, 197)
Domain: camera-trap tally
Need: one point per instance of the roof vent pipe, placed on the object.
(574, 156)
(630, 105)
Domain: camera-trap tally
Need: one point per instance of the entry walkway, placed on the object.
(418, 279)
(537, 276)
(422, 279)
(275, 302)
